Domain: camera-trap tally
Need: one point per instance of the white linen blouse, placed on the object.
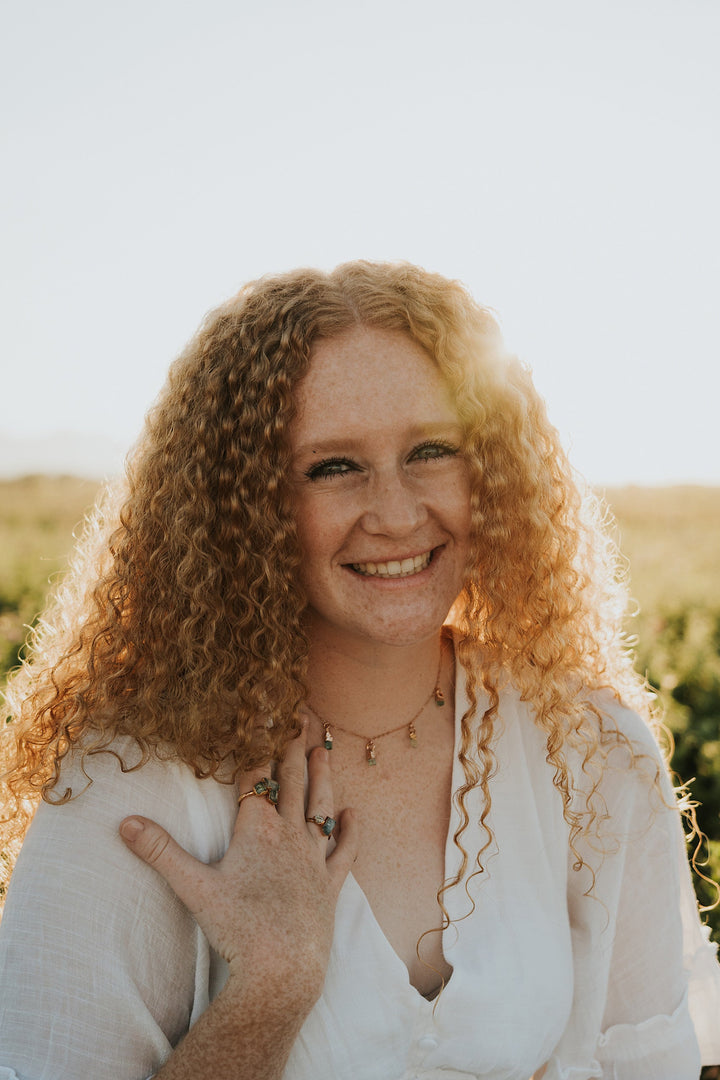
(102, 969)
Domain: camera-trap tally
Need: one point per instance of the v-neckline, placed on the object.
(388, 947)
(454, 783)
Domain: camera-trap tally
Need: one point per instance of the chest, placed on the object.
(403, 804)
(508, 949)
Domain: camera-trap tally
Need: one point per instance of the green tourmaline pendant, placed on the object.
(370, 753)
(327, 737)
(413, 736)
(439, 696)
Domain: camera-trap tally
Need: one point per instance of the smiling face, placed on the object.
(381, 490)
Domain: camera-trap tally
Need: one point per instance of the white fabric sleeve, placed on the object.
(637, 941)
(92, 938)
(701, 965)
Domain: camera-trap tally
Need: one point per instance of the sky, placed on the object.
(560, 157)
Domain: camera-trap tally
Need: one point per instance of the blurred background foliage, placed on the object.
(670, 537)
(39, 517)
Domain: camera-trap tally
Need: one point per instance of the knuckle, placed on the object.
(156, 848)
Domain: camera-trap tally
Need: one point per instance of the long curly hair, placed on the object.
(180, 623)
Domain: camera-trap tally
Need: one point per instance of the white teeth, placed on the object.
(394, 568)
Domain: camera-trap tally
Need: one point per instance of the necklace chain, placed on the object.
(370, 753)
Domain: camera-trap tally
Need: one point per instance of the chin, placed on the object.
(406, 633)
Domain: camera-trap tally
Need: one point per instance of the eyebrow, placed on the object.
(338, 443)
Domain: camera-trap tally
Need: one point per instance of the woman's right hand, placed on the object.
(268, 905)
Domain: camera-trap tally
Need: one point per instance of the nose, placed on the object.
(394, 507)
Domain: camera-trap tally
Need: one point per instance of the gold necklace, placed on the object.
(370, 755)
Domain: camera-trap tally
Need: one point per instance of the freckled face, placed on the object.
(382, 498)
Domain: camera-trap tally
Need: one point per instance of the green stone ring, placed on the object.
(327, 824)
(267, 787)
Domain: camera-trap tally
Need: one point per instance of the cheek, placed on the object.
(316, 527)
(306, 531)
(457, 507)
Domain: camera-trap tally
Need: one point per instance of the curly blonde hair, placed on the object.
(180, 623)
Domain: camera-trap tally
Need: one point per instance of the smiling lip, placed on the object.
(395, 568)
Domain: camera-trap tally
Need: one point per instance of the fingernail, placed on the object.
(131, 829)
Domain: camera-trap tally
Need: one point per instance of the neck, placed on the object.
(369, 687)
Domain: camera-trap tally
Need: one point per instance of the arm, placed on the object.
(663, 1000)
(102, 967)
(631, 1013)
(243, 1035)
(647, 1030)
(268, 908)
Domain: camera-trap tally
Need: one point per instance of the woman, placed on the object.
(349, 535)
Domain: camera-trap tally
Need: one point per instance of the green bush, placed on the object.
(679, 650)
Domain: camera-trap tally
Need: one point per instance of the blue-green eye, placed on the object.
(329, 467)
(430, 451)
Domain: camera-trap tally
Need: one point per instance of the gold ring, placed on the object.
(326, 823)
(266, 787)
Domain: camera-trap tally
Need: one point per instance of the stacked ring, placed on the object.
(326, 823)
(266, 787)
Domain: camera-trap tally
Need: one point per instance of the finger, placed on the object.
(340, 862)
(253, 804)
(320, 800)
(291, 777)
(150, 842)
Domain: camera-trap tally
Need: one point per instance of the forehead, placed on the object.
(367, 373)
